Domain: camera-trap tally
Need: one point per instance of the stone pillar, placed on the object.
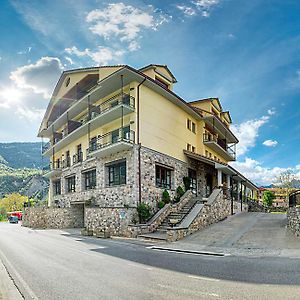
(219, 178)
(228, 181)
(50, 198)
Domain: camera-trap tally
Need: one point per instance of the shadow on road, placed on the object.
(266, 270)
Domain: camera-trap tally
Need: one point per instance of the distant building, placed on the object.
(281, 196)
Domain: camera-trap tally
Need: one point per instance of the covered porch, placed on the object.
(207, 174)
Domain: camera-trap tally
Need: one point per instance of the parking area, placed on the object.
(245, 234)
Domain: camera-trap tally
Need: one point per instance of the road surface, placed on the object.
(54, 264)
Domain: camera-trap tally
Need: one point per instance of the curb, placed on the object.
(8, 290)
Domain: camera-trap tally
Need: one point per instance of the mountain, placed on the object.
(22, 155)
(21, 167)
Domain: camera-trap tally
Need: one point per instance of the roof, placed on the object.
(207, 100)
(162, 66)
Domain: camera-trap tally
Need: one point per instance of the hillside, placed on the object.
(21, 155)
(21, 170)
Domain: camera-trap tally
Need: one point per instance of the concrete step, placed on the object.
(157, 236)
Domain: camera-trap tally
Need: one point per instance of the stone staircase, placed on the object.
(173, 219)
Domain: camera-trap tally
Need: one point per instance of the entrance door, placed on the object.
(193, 176)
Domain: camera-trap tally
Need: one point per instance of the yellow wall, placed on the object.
(163, 124)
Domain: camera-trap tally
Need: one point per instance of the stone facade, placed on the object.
(293, 217)
(46, 217)
(211, 213)
(149, 159)
(103, 195)
(113, 208)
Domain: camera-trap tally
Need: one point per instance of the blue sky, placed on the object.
(244, 52)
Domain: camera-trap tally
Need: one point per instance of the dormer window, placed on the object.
(162, 82)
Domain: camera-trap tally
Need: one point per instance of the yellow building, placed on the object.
(119, 136)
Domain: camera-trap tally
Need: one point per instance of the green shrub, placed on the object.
(166, 197)
(161, 204)
(143, 210)
(179, 192)
(187, 183)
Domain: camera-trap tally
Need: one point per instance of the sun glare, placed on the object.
(10, 95)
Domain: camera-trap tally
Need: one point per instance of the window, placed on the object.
(93, 144)
(117, 173)
(193, 127)
(126, 133)
(193, 149)
(188, 147)
(162, 177)
(115, 136)
(71, 184)
(90, 179)
(57, 187)
(68, 160)
(189, 124)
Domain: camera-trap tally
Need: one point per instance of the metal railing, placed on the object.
(209, 137)
(113, 137)
(109, 104)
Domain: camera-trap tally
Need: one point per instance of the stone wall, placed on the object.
(114, 221)
(44, 217)
(293, 217)
(149, 158)
(210, 213)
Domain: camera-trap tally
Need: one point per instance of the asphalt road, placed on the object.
(54, 264)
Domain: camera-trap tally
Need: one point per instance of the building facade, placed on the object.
(120, 136)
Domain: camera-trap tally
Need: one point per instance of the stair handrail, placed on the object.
(166, 210)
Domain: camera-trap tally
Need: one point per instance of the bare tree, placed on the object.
(287, 181)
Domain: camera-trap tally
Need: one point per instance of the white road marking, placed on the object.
(203, 278)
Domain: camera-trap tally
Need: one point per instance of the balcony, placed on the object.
(215, 124)
(112, 109)
(219, 146)
(121, 139)
(54, 169)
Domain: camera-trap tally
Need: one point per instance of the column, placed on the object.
(219, 178)
(50, 195)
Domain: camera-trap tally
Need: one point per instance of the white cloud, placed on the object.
(39, 77)
(101, 56)
(124, 22)
(270, 143)
(271, 111)
(31, 114)
(69, 60)
(196, 7)
(187, 10)
(247, 133)
(253, 170)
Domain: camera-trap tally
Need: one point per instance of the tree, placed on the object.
(268, 198)
(13, 202)
(287, 181)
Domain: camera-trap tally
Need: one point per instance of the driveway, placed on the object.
(254, 234)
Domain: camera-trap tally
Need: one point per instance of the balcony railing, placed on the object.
(110, 138)
(209, 137)
(94, 112)
(77, 157)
